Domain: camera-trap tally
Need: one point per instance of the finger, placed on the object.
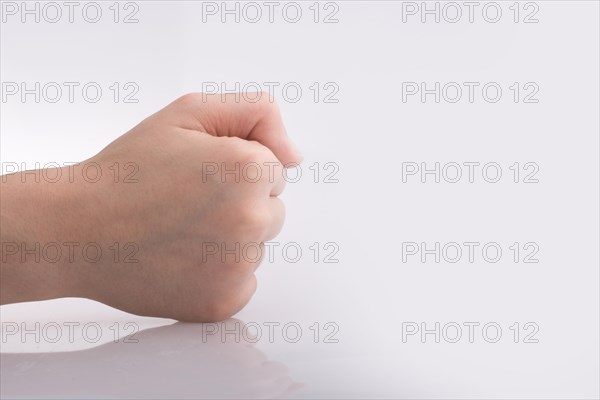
(257, 258)
(277, 217)
(232, 114)
(245, 293)
(277, 178)
(253, 255)
(265, 171)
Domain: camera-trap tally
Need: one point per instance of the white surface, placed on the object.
(369, 133)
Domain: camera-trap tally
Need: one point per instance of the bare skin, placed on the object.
(162, 231)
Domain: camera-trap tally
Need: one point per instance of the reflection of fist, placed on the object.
(173, 208)
(182, 361)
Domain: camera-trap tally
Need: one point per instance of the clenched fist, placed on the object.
(169, 220)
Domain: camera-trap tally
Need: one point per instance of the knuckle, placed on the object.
(266, 102)
(220, 309)
(241, 265)
(265, 106)
(257, 163)
(281, 207)
(256, 152)
(189, 99)
(242, 151)
(216, 311)
(254, 222)
(278, 174)
(236, 261)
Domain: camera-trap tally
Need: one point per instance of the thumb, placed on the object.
(252, 116)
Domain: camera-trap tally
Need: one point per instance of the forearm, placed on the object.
(30, 220)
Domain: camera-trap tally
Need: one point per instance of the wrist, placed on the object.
(36, 220)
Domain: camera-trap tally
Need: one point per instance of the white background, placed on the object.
(370, 294)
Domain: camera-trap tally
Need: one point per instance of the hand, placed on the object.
(193, 226)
